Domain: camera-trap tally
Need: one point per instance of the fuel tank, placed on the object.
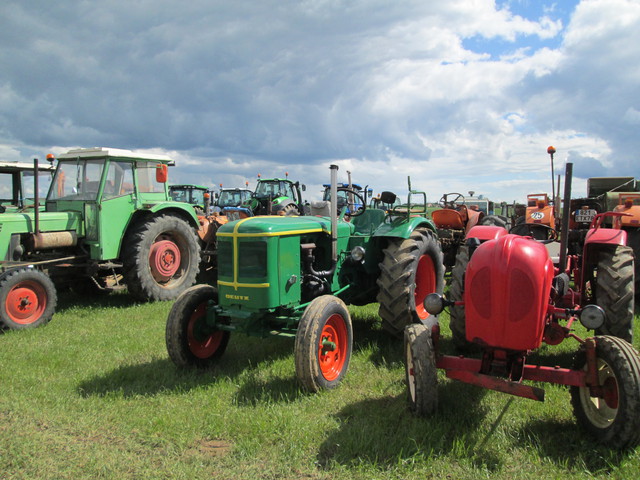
(507, 287)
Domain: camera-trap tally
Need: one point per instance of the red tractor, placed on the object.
(516, 298)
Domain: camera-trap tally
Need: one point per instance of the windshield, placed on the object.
(232, 198)
(274, 189)
(76, 180)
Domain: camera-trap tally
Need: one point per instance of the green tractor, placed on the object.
(295, 276)
(17, 185)
(275, 196)
(108, 222)
(196, 195)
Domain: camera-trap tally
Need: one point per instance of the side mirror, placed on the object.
(162, 173)
(304, 187)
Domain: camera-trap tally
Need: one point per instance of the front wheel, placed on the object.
(420, 370)
(191, 341)
(457, 320)
(27, 299)
(612, 415)
(412, 268)
(323, 344)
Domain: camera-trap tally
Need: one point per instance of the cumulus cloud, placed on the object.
(461, 95)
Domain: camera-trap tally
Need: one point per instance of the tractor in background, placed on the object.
(17, 184)
(295, 275)
(108, 223)
(516, 298)
(272, 196)
(196, 195)
(453, 220)
(232, 197)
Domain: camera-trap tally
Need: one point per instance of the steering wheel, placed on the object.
(444, 202)
(351, 207)
(537, 231)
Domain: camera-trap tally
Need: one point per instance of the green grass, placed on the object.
(94, 395)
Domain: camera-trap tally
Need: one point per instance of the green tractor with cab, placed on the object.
(276, 196)
(108, 222)
(294, 276)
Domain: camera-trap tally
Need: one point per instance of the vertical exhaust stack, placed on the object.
(566, 212)
(334, 214)
(36, 197)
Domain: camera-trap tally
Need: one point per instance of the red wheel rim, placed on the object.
(425, 284)
(333, 347)
(26, 302)
(201, 343)
(164, 260)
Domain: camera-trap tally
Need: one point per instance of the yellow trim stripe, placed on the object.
(235, 285)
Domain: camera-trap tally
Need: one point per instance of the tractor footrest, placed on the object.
(499, 384)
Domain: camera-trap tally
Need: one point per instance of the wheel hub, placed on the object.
(164, 260)
(23, 304)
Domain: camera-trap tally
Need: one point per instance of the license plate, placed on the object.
(585, 216)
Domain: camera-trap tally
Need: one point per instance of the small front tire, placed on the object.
(27, 299)
(191, 341)
(614, 417)
(323, 344)
(420, 369)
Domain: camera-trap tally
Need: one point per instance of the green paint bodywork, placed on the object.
(261, 265)
(97, 194)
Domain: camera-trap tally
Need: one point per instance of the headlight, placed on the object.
(357, 254)
(592, 317)
(434, 303)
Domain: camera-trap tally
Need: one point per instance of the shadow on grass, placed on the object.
(244, 357)
(382, 432)
(69, 299)
(568, 446)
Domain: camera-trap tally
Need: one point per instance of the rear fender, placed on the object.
(486, 232)
(606, 236)
(403, 228)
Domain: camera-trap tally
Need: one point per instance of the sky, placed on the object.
(458, 95)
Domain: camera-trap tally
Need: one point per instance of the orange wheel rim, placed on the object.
(333, 347)
(425, 284)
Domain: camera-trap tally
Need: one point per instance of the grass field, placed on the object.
(94, 395)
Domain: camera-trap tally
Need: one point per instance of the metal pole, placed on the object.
(566, 212)
(334, 213)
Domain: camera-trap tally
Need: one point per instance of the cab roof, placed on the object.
(102, 152)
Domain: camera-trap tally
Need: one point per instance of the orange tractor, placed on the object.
(453, 220)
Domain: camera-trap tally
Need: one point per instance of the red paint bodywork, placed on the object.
(507, 287)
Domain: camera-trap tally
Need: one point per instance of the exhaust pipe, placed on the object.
(334, 214)
(566, 212)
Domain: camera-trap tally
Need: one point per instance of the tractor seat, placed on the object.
(368, 221)
(447, 218)
(321, 208)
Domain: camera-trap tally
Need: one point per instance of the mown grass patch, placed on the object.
(94, 395)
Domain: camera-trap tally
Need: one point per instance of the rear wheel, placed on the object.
(420, 370)
(614, 291)
(191, 341)
(27, 299)
(411, 269)
(457, 320)
(496, 221)
(613, 416)
(323, 344)
(160, 258)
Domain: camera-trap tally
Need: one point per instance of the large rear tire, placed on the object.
(457, 321)
(614, 291)
(614, 417)
(420, 370)
(412, 268)
(161, 258)
(27, 299)
(191, 341)
(323, 344)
